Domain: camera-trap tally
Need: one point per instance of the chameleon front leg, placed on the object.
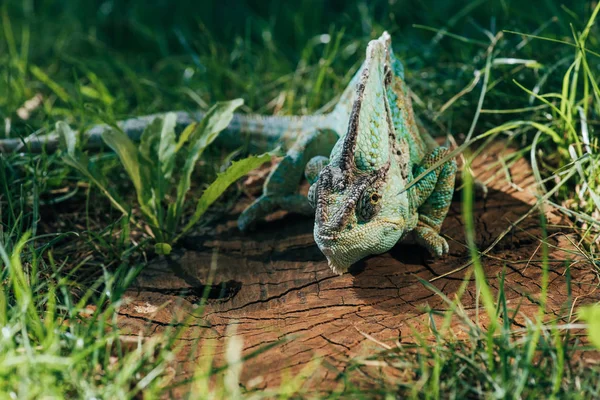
(281, 187)
(433, 196)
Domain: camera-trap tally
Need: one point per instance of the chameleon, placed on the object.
(362, 201)
(364, 196)
(361, 160)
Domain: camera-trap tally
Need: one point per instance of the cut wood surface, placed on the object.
(274, 284)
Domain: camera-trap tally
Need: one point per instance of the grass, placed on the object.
(54, 345)
(57, 345)
(527, 71)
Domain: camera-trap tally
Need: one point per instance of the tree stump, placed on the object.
(274, 284)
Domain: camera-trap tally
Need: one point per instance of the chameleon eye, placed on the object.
(375, 197)
(369, 205)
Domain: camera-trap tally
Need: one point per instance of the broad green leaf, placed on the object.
(223, 181)
(158, 145)
(163, 248)
(128, 154)
(215, 120)
(172, 219)
(167, 146)
(149, 141)
(138, 173)
(79, 161)
(185, 135)
(68, 136)
(591, 315)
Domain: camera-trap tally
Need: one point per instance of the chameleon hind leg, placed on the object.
(281, 187)
(433, 194)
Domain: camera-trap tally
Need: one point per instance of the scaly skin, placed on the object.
(375, 150)
(361, 204)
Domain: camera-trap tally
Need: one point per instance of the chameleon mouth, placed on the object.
(330, 238)
(333, 235)
(342, 249)
(337, 269)
(339, 259)
(334, 265)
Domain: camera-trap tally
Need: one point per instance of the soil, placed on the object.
(273, 286)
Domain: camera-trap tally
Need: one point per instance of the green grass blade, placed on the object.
(8, 33)
(53, 85)
(482, 286)
(591, 315)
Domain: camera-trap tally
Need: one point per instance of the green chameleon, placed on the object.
(375, 150)
(360, 195)
(362, 204)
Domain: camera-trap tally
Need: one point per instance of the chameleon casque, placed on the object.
(359, 195)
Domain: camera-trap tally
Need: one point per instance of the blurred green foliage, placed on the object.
(118, 58)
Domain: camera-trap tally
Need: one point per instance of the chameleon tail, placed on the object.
(259, 132)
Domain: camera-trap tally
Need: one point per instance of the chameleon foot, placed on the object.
(281, 187)
(480, 189)
(431, 240)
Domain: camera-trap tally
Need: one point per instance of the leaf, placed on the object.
(79, 161)
(591, 315)
(163, 248)
(202, 135)
(128, 154)
(100, 89)
(138, 173)
(158, 143)
(167, 146)
(216, 119)
(223, 181)
(68, 136)
(185, 135)
(90, 92)
(149, 140)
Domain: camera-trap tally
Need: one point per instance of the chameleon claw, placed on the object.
(435, 244)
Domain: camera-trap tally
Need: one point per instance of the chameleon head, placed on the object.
(358, 208)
